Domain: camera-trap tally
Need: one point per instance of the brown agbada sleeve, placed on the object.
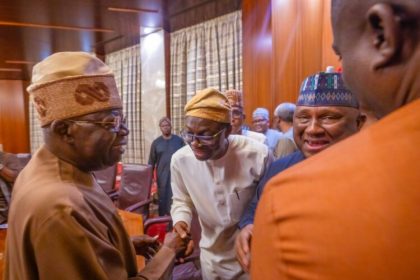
(66, 250)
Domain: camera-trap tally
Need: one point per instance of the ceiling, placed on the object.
(30, 30)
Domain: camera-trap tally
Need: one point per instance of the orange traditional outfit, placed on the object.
(350, 212)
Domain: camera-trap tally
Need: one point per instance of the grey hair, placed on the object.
(285, 111)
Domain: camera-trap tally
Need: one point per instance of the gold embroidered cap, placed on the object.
(209, 104)
(235, 98)
(71, 84)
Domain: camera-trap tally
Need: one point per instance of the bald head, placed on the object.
(378, 41)
(358, 8)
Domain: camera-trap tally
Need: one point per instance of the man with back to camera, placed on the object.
(283, 115)
(358, 202)
(61, 224)
(319, 123)
(215, 175)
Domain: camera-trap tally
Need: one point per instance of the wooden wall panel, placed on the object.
(297, 44)
(257, 55)
(185, 13)
(14, 132)
(301, 38)
(328, 55)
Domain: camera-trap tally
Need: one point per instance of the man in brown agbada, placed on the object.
(61, 224)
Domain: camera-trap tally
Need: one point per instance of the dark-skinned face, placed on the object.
(203, 127)
(165, 128)
(260, 124)
(237, 119)
(97, 146)
(317, 128)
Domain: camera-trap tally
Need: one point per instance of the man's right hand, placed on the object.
(243, 247)
(182, 229)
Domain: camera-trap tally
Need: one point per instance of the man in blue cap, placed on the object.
(261, 123)
(326, 113)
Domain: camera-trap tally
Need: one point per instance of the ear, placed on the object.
(386, 33)
(62, 129)
(361, 119)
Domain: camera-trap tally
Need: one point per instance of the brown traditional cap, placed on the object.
(235, 98)
(71, 84)
(209, 104)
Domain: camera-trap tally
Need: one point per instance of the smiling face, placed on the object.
(260, 124)
(97, 146)
(317, 128)
(215, 148)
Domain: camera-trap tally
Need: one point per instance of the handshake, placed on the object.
(179, 241)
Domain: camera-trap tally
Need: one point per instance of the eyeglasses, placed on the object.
(236, 114)
(203, 139)
(113, 126)
(259, 121)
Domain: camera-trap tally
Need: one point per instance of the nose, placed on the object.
(123, 130)
(195, 142)
(314, 128)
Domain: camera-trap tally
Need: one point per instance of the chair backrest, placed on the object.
(106, 178)
(161, 225)
(190, 269)
(158, 226)
(136, 181)
(23, 158)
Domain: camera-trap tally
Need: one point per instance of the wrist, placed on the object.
(1, 166)
(168, 249)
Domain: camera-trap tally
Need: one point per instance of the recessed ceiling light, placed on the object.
(60, 27)
(10, 70)
(19, 62)
(131, 10)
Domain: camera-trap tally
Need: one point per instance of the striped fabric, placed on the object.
(35, 131)
(208, 54)
(126, 66)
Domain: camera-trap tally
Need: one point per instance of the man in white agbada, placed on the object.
(214, 175)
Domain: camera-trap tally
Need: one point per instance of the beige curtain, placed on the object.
(35, 131)
(127, 70)
(205, 55)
